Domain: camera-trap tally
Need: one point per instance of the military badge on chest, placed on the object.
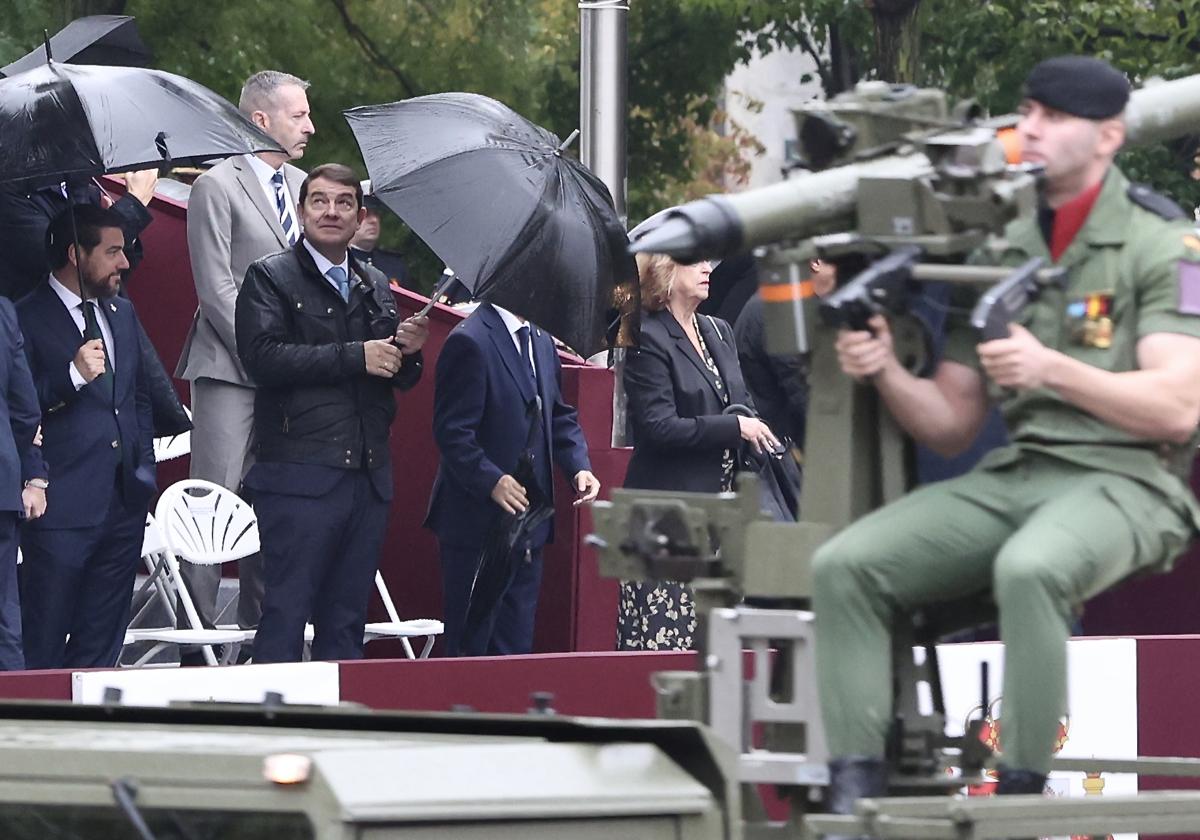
(1089, 320)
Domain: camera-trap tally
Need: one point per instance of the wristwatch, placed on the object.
(37, 483)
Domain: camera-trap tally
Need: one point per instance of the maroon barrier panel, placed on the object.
(577, 610)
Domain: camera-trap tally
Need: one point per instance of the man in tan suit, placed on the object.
(240, 210)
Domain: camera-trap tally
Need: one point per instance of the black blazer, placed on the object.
(675, 408)
(303, 347)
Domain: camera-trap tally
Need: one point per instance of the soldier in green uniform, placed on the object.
(1099, 386)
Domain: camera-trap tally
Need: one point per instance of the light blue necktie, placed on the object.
(338, 275)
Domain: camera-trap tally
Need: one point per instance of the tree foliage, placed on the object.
(522, 52)
(983, 49)
(526, 53)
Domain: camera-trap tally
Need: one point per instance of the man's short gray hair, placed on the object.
(258, 93)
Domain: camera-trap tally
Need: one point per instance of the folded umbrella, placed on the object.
(522, 223)
(97, 39)
(503, 549)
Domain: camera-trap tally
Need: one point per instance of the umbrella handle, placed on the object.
(443, 284)
(563, 145)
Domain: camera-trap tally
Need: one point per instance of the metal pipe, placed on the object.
(603, 42)
(602, 92)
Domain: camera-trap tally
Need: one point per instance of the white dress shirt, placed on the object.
(514, 323)
(323, 265)
(265, 173)
(74, 305)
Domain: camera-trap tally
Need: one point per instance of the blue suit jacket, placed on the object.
(481, 422)
(20, 460)
(89, 440)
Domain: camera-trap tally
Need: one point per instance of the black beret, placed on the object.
(1079, 85)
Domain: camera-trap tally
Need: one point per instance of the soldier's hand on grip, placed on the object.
(1019, 361)
(863, 354)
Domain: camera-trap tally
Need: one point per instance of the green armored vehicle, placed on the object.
(257, 773)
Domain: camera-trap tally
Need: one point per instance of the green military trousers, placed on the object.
(1042, 533)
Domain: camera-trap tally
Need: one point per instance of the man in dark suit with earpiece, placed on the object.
(81, 342)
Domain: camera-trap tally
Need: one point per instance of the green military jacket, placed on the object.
(1130, 272)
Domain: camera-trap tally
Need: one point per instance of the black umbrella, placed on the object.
(503, 549)
(70, 122)
(98, 39)
(521, 223)
(65, 122)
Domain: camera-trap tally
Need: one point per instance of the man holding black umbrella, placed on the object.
(320, 335)
(81, 556)
(496, 400)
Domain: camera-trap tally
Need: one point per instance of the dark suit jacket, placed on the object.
(481, 424)
(779, 384)
(94, 446)
(675, 408)
(20, 460)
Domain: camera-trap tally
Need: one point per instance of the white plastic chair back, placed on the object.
(206, 524)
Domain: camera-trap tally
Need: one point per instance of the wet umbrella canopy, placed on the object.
(62, 122)
(523, 224)
(98, 39)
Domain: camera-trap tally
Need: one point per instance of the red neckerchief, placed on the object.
(1069, 218)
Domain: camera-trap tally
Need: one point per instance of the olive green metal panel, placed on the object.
(443, 782)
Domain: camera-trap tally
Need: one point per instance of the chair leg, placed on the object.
(429, 640)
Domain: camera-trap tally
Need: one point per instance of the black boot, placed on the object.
(853, 778)
(1020, 781)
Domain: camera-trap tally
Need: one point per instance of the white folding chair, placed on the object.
(205, 524)
(394, 628)
(163, 576)
(174, 446)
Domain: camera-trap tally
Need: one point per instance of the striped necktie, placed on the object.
(281, 205)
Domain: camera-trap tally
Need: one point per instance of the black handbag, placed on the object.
(778, 473)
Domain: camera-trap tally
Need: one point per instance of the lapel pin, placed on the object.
(112, 306)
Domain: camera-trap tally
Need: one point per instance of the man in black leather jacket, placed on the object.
(319, 334)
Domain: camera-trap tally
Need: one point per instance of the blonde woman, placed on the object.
(682, 376)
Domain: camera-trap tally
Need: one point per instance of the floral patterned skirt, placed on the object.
(656, 616)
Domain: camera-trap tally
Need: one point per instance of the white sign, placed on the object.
(311, 683)
(1102, 699)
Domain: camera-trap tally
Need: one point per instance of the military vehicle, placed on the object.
(913, 187)
(297, 773)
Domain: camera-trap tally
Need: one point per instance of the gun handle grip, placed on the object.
(993, 330)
